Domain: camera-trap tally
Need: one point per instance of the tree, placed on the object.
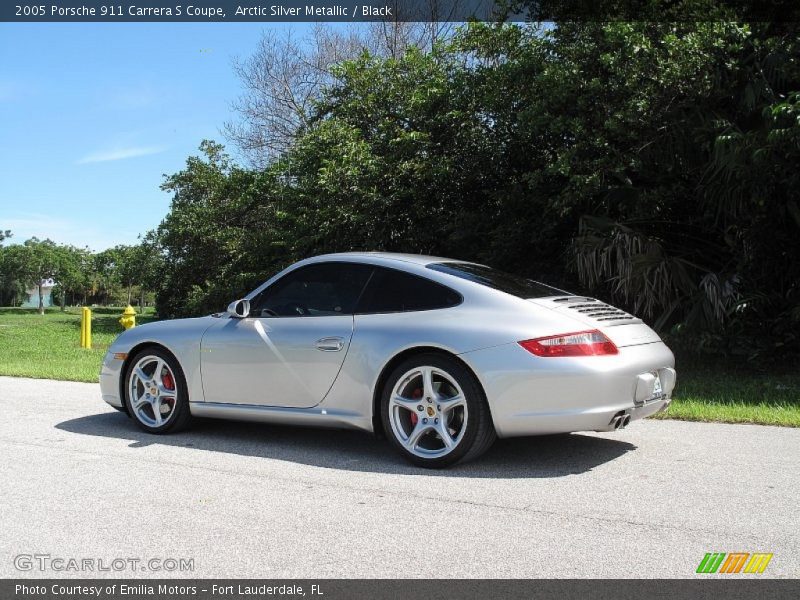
(72, 273)
(11, 284)
(106, 272)
(151, 266)
(126, 268)
(33, 263)
(285, 77)
(220, 236)
(138, 265)
(704, 197)
(650, 163)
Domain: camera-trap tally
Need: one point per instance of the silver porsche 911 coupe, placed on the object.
(441, 356)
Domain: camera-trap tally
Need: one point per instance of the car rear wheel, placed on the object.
(155, 392)
(435, 413)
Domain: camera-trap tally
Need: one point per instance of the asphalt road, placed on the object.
(79, 480)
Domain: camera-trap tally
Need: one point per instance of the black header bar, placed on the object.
(734, 588)
(288, 11)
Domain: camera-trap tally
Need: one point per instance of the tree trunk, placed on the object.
(130, 291)
(141, 300)
(41, 299)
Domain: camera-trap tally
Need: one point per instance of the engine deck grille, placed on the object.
(595, 309)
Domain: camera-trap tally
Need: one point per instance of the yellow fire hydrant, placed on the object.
(128, 318)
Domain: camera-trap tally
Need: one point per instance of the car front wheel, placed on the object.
(435, 413)
(155, 392)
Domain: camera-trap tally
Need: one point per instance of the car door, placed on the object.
(290, 349)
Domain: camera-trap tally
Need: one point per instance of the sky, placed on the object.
(93, 115)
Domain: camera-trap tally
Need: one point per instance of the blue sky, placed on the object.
(92, 116)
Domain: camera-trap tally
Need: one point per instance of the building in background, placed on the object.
(32, 294)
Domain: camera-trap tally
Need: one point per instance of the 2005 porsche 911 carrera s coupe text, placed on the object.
(441, 356)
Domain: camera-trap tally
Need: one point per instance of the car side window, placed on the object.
(321, 289)
(395, 291)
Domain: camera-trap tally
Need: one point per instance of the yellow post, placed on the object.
(86, 328)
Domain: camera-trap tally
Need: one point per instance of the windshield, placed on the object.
(498, 280)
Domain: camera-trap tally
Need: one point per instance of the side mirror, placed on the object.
(239, 309)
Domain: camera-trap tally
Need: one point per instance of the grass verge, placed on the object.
(726, 394)
(47, 347)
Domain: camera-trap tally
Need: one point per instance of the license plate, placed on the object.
(657, 391)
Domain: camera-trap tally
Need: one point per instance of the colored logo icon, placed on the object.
(734, 562)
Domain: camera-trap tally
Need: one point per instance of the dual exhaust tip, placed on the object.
(620, 421)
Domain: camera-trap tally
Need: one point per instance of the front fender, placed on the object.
(181, 337)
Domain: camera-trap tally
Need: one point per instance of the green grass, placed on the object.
(47, 346)
(727, 394)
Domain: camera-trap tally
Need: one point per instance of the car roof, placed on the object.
(418, 259)
(411, 263)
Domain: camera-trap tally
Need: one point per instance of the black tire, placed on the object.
(479, 433)
(180, 415)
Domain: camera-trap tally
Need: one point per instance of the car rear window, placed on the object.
(498, 280)
(391, 291)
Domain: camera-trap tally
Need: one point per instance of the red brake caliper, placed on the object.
(169, 383)
(166, 379)
(417, 393)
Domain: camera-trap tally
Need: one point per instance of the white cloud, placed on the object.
(120, 154)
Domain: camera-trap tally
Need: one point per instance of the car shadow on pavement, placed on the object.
(531, 457)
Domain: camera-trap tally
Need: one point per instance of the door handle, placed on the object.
(330, 344)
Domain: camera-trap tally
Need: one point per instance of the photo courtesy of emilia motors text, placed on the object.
(399, 299)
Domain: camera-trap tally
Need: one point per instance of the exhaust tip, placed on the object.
(625, 421)
(616, 420)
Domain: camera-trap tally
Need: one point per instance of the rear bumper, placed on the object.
(530, 395)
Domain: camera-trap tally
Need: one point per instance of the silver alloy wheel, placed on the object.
(428, 412)
(153, 391)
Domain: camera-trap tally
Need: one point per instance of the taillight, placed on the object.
(580, 343)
